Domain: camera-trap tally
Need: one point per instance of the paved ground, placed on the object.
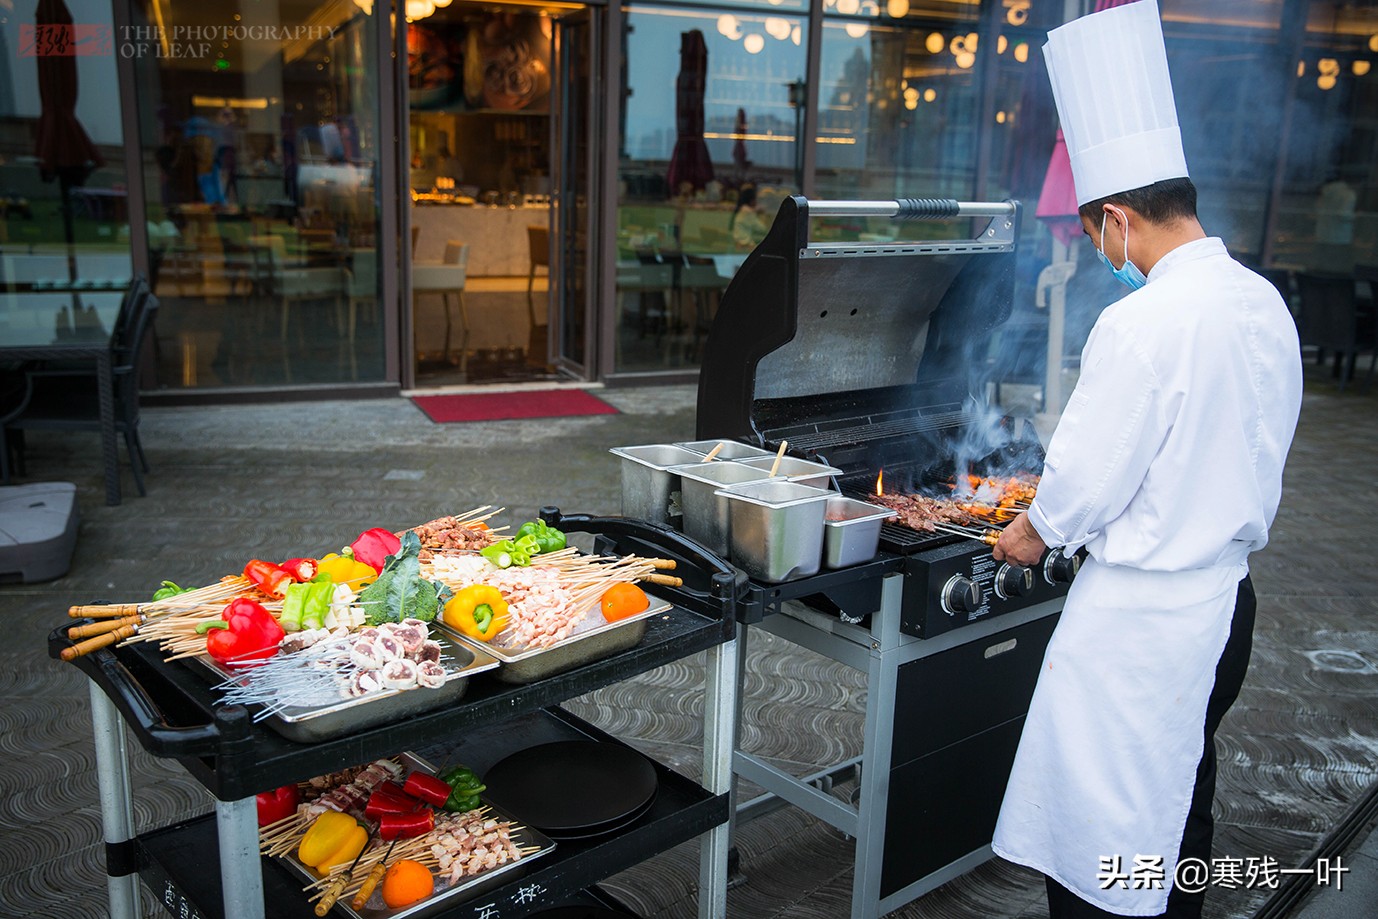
(230, 482)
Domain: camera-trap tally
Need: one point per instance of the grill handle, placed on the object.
(912, 208)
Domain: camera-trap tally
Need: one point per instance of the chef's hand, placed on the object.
(1020, 543)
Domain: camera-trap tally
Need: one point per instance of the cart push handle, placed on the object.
(229, 725)
(727, 583)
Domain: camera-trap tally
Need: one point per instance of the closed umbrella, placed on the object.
(64, 150)
(739, 147)
(1057, 202)
(689, 163)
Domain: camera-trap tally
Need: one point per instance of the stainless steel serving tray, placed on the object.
(593, 639)
(443, 897)
(311, 724)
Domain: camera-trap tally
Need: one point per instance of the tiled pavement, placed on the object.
(229, 482)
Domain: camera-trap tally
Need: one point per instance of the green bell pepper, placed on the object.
(512, 552)
(170, 589)
(547, 537)
(465, 787)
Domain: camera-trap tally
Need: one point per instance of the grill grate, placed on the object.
(872, 428)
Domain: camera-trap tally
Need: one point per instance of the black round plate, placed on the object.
(572, 788)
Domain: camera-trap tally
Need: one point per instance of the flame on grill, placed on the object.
(880, 483)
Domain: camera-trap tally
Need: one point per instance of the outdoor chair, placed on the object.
(1330, 320)
(67, 400)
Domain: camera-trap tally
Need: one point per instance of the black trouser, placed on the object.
(1196, 839)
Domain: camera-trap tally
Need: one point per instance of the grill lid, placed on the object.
(838, 347)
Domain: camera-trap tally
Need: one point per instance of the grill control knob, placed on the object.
(1013, 581)
(962, 595)
(1059, 568)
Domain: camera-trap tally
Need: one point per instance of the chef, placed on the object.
(1167, 467)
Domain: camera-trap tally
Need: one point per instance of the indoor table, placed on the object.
(46, 327)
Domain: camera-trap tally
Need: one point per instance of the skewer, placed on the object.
(989, 537)
(712, 454)
(100, 628)
(779, 455)
(337, 886)
(83, 648)
(374, 877)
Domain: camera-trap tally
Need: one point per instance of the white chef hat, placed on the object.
(1114, 98)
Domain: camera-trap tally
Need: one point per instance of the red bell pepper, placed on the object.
(277, 804)
(268, 577)
(247, 633)
(428, 788)
(372, 547)
(379, 805)
(405, 826)
(301, 569)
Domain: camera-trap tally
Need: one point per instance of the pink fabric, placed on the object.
(1107, 4)
(1057, 202)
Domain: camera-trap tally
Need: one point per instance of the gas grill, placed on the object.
(872, 357)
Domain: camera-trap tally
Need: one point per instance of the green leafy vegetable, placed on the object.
(400, 591)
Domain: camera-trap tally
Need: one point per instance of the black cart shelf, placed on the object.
(170, 711)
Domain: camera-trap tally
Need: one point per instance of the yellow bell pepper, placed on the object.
(478, 611)
(345, 569)
(333, 839)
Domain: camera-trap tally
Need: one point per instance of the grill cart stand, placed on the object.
(927, 797)
(172, 713)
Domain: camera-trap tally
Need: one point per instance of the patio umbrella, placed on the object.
(63, 149)
(739, 147)
(690, 163)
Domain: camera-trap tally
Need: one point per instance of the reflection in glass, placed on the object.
(712, 112)
(262, 204)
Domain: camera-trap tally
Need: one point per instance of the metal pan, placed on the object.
(311, 724)
(593, 639)
(375, 908)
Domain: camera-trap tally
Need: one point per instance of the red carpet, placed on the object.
(503, 406)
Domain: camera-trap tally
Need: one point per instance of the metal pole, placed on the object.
(116, 806)
(891, 208)
(241, 875)
(719, 729)
(881, 685)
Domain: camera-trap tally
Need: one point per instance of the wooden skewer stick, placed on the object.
(100, 628)
(779, 455)
(374, 877)
(666, 579)
(116, 611)
(662, 564)
(95, 644)
(712, 454)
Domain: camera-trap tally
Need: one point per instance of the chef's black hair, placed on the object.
(1162, 202)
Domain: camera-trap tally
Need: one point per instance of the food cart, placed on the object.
(210, 866)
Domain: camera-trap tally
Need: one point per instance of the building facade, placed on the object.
(341, 196)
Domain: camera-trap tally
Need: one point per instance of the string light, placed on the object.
(898, 9)
(753, 43)
(935, 43)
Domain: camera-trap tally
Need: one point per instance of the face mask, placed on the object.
(1129, 274)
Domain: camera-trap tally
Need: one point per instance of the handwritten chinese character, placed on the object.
(1148, 872)
(488, 911)
(528, 894)
(1111, 874)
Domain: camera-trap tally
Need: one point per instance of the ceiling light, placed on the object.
(753, 43)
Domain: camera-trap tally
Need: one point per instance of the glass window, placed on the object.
(64, 215)
(260, 142)
(713, 107)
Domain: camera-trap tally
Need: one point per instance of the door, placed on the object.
(574, 276)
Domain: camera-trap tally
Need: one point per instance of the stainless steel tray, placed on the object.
(443, 897)
(311, 724)
(593, 639)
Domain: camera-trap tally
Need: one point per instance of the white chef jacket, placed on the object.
(1167, 465)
